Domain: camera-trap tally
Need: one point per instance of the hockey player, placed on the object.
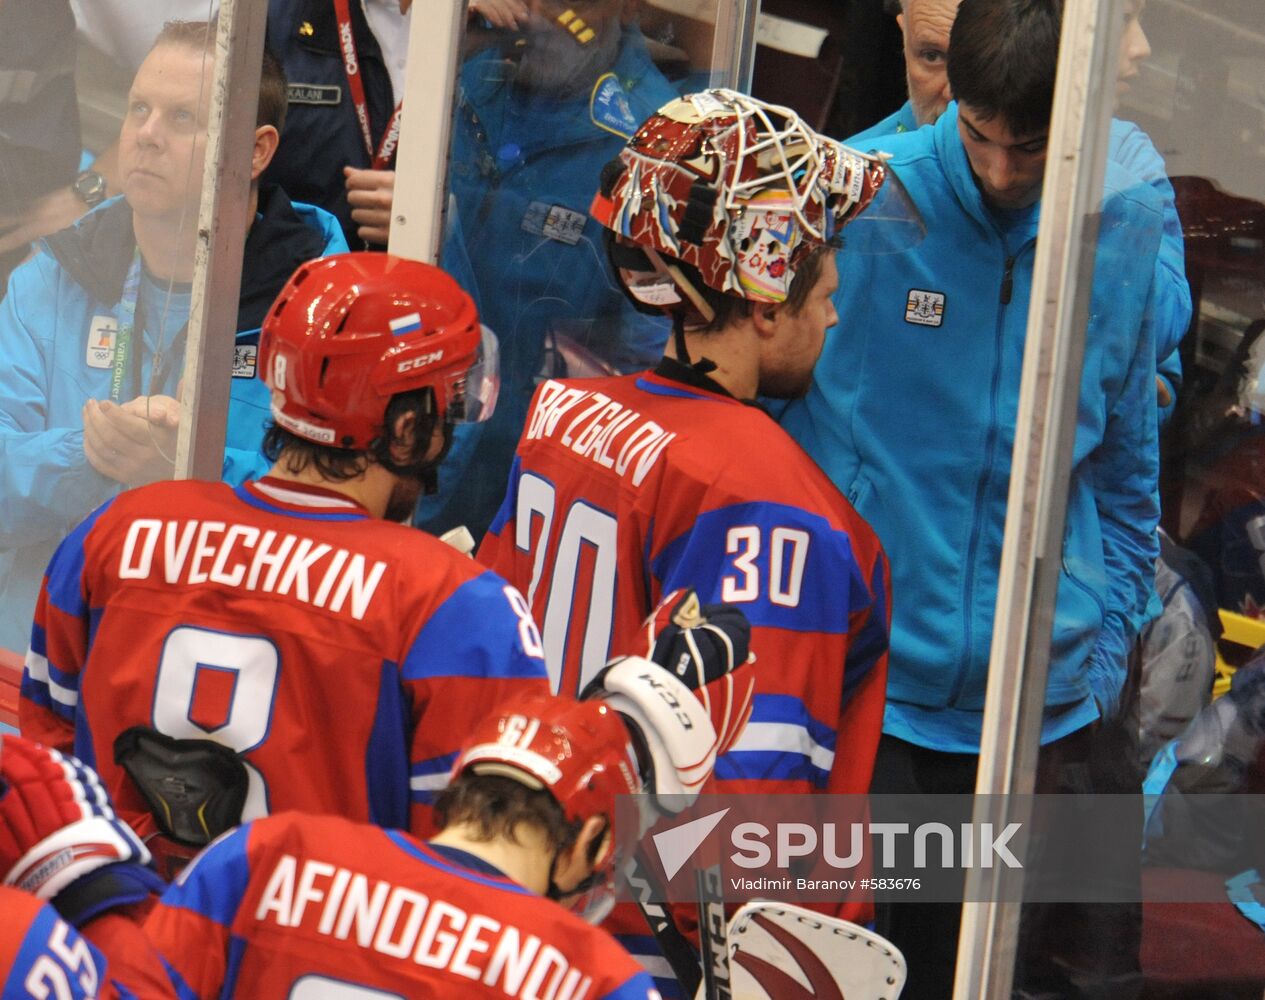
(317, 906)
(723, 212)
(219, 654)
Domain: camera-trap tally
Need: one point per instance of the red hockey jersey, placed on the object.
(625, 488)
(342, 657)
(318, 908)
(43, 956)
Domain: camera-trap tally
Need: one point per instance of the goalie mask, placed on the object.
(580, 753)
(350, 331)
(742, 190)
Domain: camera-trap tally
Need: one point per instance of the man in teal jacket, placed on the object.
(925, 26)
(912, 413)
(87, 409)
(533, 129)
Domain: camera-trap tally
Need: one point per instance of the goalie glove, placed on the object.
(677, 741)
(57, 826)
(706, 648)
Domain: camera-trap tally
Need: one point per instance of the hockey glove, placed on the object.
(670, 728)
(707, 648)
(57, 826)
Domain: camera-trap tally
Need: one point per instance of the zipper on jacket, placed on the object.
(981, 484)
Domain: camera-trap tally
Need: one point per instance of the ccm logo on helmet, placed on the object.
(411, 363)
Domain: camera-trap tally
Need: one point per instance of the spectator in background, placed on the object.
(541, 110)
(339, 144)
(119, 33)
(925, 26)
(912, 414)
(92, 329)
(39, 122)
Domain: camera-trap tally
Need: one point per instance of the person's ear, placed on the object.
(764, 316)
(573, 865)
(266, 141)
(404, 438)
(900, 23)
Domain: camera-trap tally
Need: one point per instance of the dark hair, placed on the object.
(495, 806)
(200, 36)
(1002, 59)
(274, 96)
(340, 464)
(729, 308)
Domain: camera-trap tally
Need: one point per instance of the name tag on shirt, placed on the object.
(314, 93)
(554, 222)
(244, 356)
(103, 333)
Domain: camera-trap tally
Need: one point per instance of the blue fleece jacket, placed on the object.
(912, 413)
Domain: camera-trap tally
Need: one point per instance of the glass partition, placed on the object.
(539, 111)
(1169, 270)
(105, 111)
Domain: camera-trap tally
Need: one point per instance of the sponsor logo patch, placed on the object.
(924, 308)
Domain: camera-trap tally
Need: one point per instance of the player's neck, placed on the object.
(733, 351)
(371, 489)
(527, 860)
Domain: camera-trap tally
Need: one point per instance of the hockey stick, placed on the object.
(713, 930)
(675, 946)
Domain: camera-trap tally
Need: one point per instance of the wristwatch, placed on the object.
(90, 187)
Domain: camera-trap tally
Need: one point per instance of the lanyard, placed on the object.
(127, 322)
(351, 65)
(124, 355)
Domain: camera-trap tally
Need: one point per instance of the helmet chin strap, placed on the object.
(697, 304)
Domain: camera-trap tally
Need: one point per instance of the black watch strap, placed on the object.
(90, 187)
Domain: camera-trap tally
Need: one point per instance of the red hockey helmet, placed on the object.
(348, 332)
(741, 190)
(578, 750)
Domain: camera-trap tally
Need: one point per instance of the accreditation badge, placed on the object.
(103, 333)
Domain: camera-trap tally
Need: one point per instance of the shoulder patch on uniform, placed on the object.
(924, 308)
(609, 108)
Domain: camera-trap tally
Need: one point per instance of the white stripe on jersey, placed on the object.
(303, 499)
(785, 737)
(37, 667)
(429, 782)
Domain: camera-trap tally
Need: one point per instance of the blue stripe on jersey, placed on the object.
(638, 986)
(817, 576)
(37, 693)
(655, 389)
(233, 965)
(386, 755)
(769, 765)
(35, 945)
(448, 645)
(183, 992)
(786, 708)
(65, 569)
(316, 514)
(419, 852)
(645, 950)
(505, 512)
(214, 883)
(871, 641)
